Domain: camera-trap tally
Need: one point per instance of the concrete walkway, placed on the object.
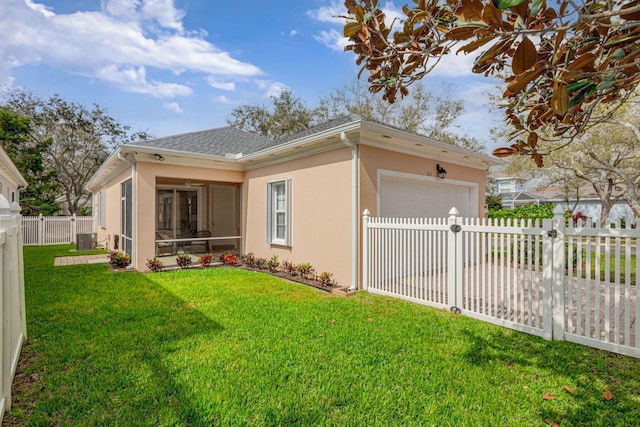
(82, 259)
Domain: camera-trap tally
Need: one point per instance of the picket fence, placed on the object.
(560, 281)
(12, 305)
(54, 230)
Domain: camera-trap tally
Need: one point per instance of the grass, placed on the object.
(232, 347)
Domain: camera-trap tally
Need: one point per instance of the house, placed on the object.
(584, 200)
(513, 191)
(300, 197)
(11, 181)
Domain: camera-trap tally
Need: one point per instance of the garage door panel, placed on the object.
(408, 198)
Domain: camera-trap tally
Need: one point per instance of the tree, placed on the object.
(561, 64)
(422, 112)
(287, 115)
(40, 194)
(71, 139)
(606, 157)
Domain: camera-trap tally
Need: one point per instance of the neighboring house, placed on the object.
(586, 201)
(64, 204)
(299, 197)
(513, 191)
(11, 181)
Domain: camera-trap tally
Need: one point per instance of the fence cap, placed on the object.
(4, 204)
(454, 211)
(15, 207)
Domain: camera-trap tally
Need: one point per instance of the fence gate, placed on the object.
(564, 282)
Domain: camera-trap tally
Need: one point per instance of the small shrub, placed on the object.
(119, 259)
(305, 270)
(154, 264)
(288, 268)
(273, 264)
(184, 261)
(260, 263)
(229, 258)
(205, 260)
(325, 278)
(248, 259)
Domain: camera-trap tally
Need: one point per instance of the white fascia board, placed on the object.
(300, 142)
(8, 165)
(98, 177)
(156, 150)
(430, 148)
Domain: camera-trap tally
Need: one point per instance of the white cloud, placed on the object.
(215, 83)
(224, 100)
(333, 39)
(329, 13)
(173, 106)
(271, 88)
(116, 45)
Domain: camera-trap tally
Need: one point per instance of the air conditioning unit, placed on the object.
(86, 241)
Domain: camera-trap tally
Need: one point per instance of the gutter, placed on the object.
(354, 210)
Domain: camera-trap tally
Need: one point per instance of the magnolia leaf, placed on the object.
(608, 395)
(560, 100)
(522, 80)
(532, 140)
(551, 422)
(470, 47)
(536, 5)
(492, 15)
(567, 389)
(633, 16)
(607, 83)
(504, 152)
(582, 61)
(506, 4)
(470, 11)
(352, 28)
(617, 54)
(548, 396)
(525, 56)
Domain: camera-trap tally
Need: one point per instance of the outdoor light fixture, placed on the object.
(158, 157)
(442, 172)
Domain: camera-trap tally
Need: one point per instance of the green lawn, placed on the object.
(231, 347)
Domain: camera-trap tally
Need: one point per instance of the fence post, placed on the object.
(454, 261)
(40, 230)
(74, 229)
(15, 213)
(5, 303)
(558, 273)
(366, 215)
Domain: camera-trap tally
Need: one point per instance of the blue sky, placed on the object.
(174, 66)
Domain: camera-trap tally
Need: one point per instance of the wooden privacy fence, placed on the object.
(12, 306)
(54, 230)
(571, 282)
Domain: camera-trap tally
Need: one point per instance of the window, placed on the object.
(279, 212)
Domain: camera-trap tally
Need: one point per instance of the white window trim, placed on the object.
(270, 224)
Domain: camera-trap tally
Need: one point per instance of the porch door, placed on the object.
(224, 214)
(179, 212)
(126, 216)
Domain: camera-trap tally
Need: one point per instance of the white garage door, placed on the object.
(405, 197)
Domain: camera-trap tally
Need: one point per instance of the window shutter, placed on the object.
(289, 222)
(269, 212)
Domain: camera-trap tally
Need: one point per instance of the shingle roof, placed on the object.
(218, 142)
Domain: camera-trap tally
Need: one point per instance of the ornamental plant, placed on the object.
(305, 270)
(205, 260)
(119, 259)
(155, 264)
(184, 261)
(325, 278)
(229, 258)
(273, 264)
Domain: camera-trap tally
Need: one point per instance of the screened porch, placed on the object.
(197, 217)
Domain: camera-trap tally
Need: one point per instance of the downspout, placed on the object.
(354, 210)
(133, 206)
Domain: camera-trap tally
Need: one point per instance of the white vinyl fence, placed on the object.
(562, 282)
(54, 230)
(12, 307)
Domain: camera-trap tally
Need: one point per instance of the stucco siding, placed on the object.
(374, 159)
(321, 212)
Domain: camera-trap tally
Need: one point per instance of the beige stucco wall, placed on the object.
(372, 159)
(145, 195)
(321, 212)
(112, 220)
